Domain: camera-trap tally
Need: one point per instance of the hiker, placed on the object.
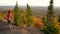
(9, 19)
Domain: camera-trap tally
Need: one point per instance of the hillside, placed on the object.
(36, 10)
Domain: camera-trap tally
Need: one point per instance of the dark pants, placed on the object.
(9, 21)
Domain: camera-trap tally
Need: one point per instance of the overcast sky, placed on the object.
(30, 2)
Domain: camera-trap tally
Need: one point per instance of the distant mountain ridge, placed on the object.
(36, 10)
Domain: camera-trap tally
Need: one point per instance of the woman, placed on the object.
(9, 19)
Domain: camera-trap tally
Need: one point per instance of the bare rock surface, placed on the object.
(17, 30)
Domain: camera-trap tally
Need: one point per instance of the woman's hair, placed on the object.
(8, 11)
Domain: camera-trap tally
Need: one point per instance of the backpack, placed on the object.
(9, 18)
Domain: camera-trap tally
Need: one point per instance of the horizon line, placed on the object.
(36, 6)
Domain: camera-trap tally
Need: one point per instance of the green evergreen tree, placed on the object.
(59, 19)
(29, 15)
(16, 14)
(50, 12)
(44, 20)
(50, 28)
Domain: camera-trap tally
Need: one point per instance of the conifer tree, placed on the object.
(59, 19)
(50, 12)
(16, 14)
(29, 15)
(50, 28)
(44, 20)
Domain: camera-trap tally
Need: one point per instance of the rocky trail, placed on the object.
(17, 30)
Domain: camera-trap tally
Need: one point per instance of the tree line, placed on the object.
(47, 21)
